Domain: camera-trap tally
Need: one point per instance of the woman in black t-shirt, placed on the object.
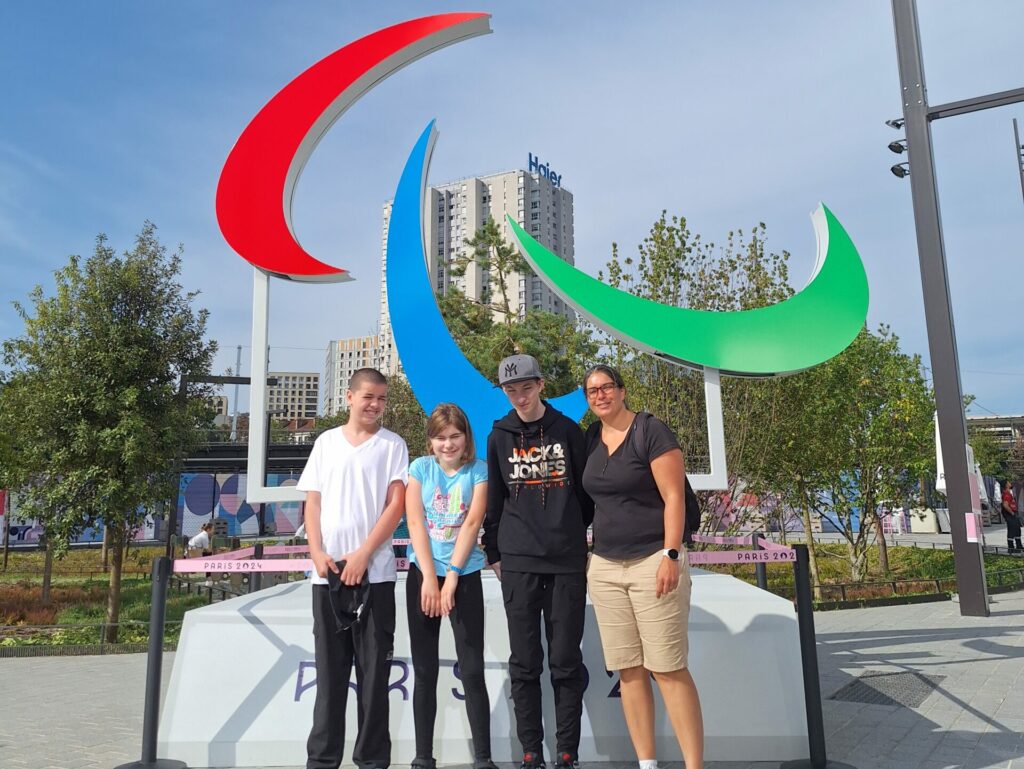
(638, 576)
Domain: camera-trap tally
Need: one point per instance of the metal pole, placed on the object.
(809, 666)
(256, 578)
(234, 401)
(172, 512)
(967, 559)
(1020, 154)
(154, 666)
(7, 525)
(759, 569)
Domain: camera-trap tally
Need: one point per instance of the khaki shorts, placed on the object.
(638, 629)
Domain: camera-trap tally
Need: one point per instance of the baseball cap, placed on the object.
(347, 602)
(518, 368)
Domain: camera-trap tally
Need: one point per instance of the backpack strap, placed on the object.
(639, 428)
(691, 505)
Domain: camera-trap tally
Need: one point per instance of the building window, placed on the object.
(534, 216)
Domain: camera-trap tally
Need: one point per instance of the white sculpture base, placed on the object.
(242, 686)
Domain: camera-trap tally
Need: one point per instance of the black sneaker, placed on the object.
(566, 761)
(532, 761)
(423, 763)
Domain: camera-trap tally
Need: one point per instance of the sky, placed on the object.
(727, 113)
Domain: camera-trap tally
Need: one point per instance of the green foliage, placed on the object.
(675, 266)
(323, 424)
(403, 415)
(850, 434)
(491, 330)
(91, 406)
(988, 452)
(501, 260)
(1015, 461)
(856, 434)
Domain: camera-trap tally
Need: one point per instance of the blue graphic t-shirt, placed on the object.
(446, 501)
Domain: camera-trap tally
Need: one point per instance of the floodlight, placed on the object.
(896, 122)
(899, 146)
(901, 170)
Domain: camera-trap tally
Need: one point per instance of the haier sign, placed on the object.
(544, 170)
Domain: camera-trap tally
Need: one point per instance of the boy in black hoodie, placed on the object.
(535, 537)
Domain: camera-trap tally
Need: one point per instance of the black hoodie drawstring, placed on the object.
(522, 448)
(543, 486)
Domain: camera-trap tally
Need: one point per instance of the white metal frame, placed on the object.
(718, 478)
(256, 489)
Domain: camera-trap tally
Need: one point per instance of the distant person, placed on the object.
(300, 533)
(535, 537)
(444, 508)
(355, 493)
(1009, 511)
(638, 574)
(200, 543)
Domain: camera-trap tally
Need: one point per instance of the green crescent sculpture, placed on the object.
(806, 329)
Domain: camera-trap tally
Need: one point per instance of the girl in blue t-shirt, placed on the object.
(444, 507)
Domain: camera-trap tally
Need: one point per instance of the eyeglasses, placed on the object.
(607, 389)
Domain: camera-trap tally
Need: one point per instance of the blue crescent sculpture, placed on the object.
(434, 365)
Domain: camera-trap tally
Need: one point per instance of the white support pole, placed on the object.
(256, 490)
(718, 477)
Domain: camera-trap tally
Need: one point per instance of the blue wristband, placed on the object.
(456, 569)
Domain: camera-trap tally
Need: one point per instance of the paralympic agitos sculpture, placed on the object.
(254, 211)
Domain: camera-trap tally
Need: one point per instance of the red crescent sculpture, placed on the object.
(254, 194)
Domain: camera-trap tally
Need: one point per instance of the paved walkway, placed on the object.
(85, 712)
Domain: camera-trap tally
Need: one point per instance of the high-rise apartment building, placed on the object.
(344, 358)
(453, 212)
(294, 396)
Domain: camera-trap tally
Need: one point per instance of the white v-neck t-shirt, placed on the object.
(353, 484)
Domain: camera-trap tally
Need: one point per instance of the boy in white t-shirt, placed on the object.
(355, 495)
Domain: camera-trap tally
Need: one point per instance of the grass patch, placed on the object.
(78, 598)
(76, 564)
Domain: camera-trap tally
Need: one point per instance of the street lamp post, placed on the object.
(1019, 150)
(917, 117)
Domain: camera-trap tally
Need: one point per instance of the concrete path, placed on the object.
(85, 712)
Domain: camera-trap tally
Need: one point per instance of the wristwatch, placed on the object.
(671, 553)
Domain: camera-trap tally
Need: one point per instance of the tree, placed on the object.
(869, 412)
(990, 455)
(492, 329)
(845, 436)
(100, 425)
(1015, 460)
(403, 415)
(499, 261)
(674, 266)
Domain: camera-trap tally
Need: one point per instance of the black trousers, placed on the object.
(559, 600)
(1012, 531)
(370, 643)
(467, 620)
